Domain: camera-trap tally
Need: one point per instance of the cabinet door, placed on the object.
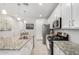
(61, 52)
(66, 15)
(75, 15)
(30, 46)
(56, 50)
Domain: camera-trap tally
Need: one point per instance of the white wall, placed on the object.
(38, 28)
(30, 21)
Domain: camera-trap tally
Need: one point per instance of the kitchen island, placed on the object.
(16, 46)
(66, 48)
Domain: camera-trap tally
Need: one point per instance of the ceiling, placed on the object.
(31, 10)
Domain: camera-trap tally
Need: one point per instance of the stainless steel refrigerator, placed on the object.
(45, 31)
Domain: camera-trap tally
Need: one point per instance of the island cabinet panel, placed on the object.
(27, 49)
(57, 50)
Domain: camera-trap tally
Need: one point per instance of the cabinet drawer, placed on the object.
(61, 52)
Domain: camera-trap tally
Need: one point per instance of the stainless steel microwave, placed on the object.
(57, 24)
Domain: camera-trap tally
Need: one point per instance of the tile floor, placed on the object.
(39, 48)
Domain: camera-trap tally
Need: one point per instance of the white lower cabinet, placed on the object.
(30, 46)
(57, 51)
(27, 49)
(61, 52)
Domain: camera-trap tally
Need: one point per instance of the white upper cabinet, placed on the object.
(66, 15)
(69, 13)
(75, 15)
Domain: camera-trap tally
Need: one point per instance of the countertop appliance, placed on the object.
(57, 24)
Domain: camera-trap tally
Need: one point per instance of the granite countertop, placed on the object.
(69, 48)
(15, 43)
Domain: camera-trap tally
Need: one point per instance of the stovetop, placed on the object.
(58, 38)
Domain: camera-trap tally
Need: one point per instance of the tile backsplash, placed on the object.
(73, 34)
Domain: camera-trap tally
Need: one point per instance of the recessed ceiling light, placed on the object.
(40, 4)
(18, 18)
(40, 15)
(4, 12)
(68, 4)
(25, 21)
(26, 4)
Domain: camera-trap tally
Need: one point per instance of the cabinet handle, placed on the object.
(72, 22)
(69, 23)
